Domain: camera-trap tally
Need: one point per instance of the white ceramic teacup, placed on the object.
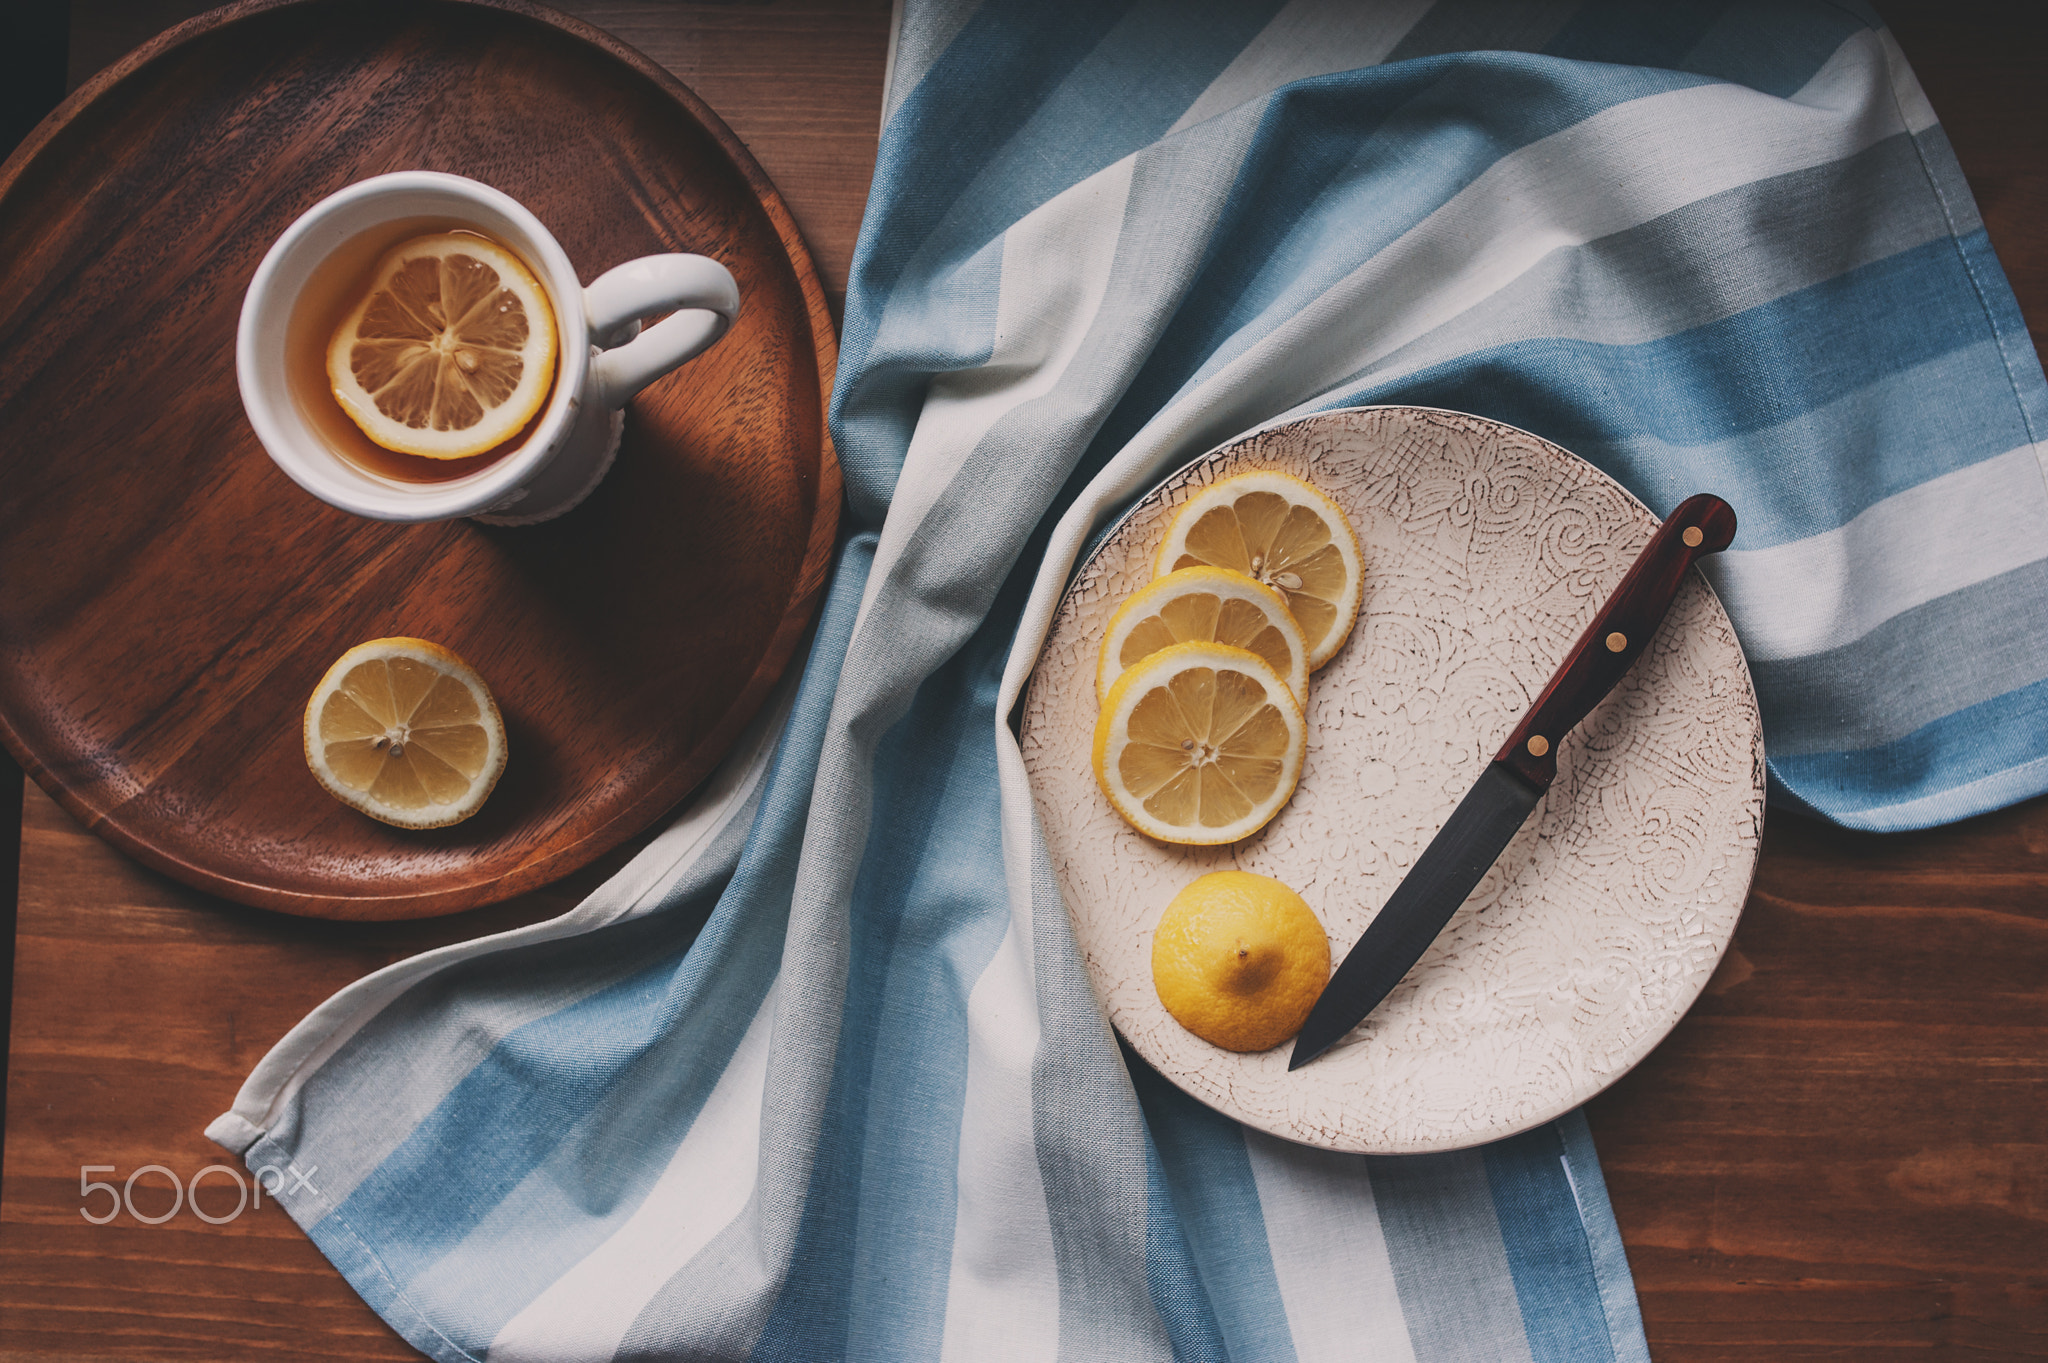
(603, 356)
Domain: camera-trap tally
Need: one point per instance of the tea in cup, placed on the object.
(305, 309)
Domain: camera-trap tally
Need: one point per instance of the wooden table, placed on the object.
(1842, 1152)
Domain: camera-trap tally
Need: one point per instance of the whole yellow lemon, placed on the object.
(1239, 960)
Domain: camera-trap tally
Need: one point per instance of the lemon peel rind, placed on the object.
(498, 424)
(1116, 711)
(1209, 577)
(1172, 543)
(1283, 921)
(443, 659)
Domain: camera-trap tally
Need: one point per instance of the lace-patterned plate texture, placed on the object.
(1486, 552)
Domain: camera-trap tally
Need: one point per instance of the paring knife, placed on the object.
(1514, 782)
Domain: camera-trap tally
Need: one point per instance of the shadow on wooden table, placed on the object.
(142, 1005)
(1841, 1152)
(34, 37)
(1844, 1143)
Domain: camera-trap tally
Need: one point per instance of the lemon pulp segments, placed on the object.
(451, 351)
(1280, 530)
(1203, 603)
(406, 732)
(1200, 743)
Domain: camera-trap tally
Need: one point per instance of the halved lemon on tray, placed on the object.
(1204, 604)
(405, 731)
(1275, 528)
(451, 350)
(1200, 743)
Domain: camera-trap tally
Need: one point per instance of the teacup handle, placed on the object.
(699, 289)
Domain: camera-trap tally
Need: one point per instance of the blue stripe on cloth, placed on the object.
(1549, 1254)
(536, 1091)
(597, 1173)
(1979, 758)
(1367, 155)
(929, 855)
(999, 159)
(1343, 165)
(1448, 26)
(1635, 34)
(1443, 1235)
(944, 328)
(2015, 342)
(360, 1260)
(1003, 157)
(1178, 1293)
(1719, 405)
(1603, 1240)
(869, 1272)
(1874, 690)
(1203, 1169)
(1770, 46)
(918, 180)
(506, 1116)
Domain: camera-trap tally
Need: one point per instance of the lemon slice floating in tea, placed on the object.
(1204, 603)
(1200, 744)
(450, 352)
(406, 732)
(1274, 527)
(1239, 960)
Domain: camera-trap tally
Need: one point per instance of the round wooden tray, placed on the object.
(1486, 552)
(171, 598)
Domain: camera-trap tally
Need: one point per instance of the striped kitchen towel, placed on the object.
(820, 1075)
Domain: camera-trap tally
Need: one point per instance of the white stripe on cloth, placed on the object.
(1306, 38)
(1566, 297)
(1002, 1290)
(1995, 791)
(1950, 532)
(1007, 1249)
(1614, 170)
(1864, 60)
(1558, 192)
(914, 46)
(707, 1183)
(1055, 270)
(1912, 100)
(1336, 1279)
(638, 887)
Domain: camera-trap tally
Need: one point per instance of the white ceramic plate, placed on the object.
(1486, 550)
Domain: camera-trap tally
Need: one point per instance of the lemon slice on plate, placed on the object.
(1201, 743)
(406, 732)
(1204, 604)
(450, 352)
(1239, 960)
(1280, 530)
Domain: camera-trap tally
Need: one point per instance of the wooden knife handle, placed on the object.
(1702, 525)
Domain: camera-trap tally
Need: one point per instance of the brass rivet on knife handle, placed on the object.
(1700, 525)
(1512, 785)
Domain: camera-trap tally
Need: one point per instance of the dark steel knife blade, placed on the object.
(1513, 784)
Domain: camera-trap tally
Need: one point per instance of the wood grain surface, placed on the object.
(173, 597)
(1841, 1153)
